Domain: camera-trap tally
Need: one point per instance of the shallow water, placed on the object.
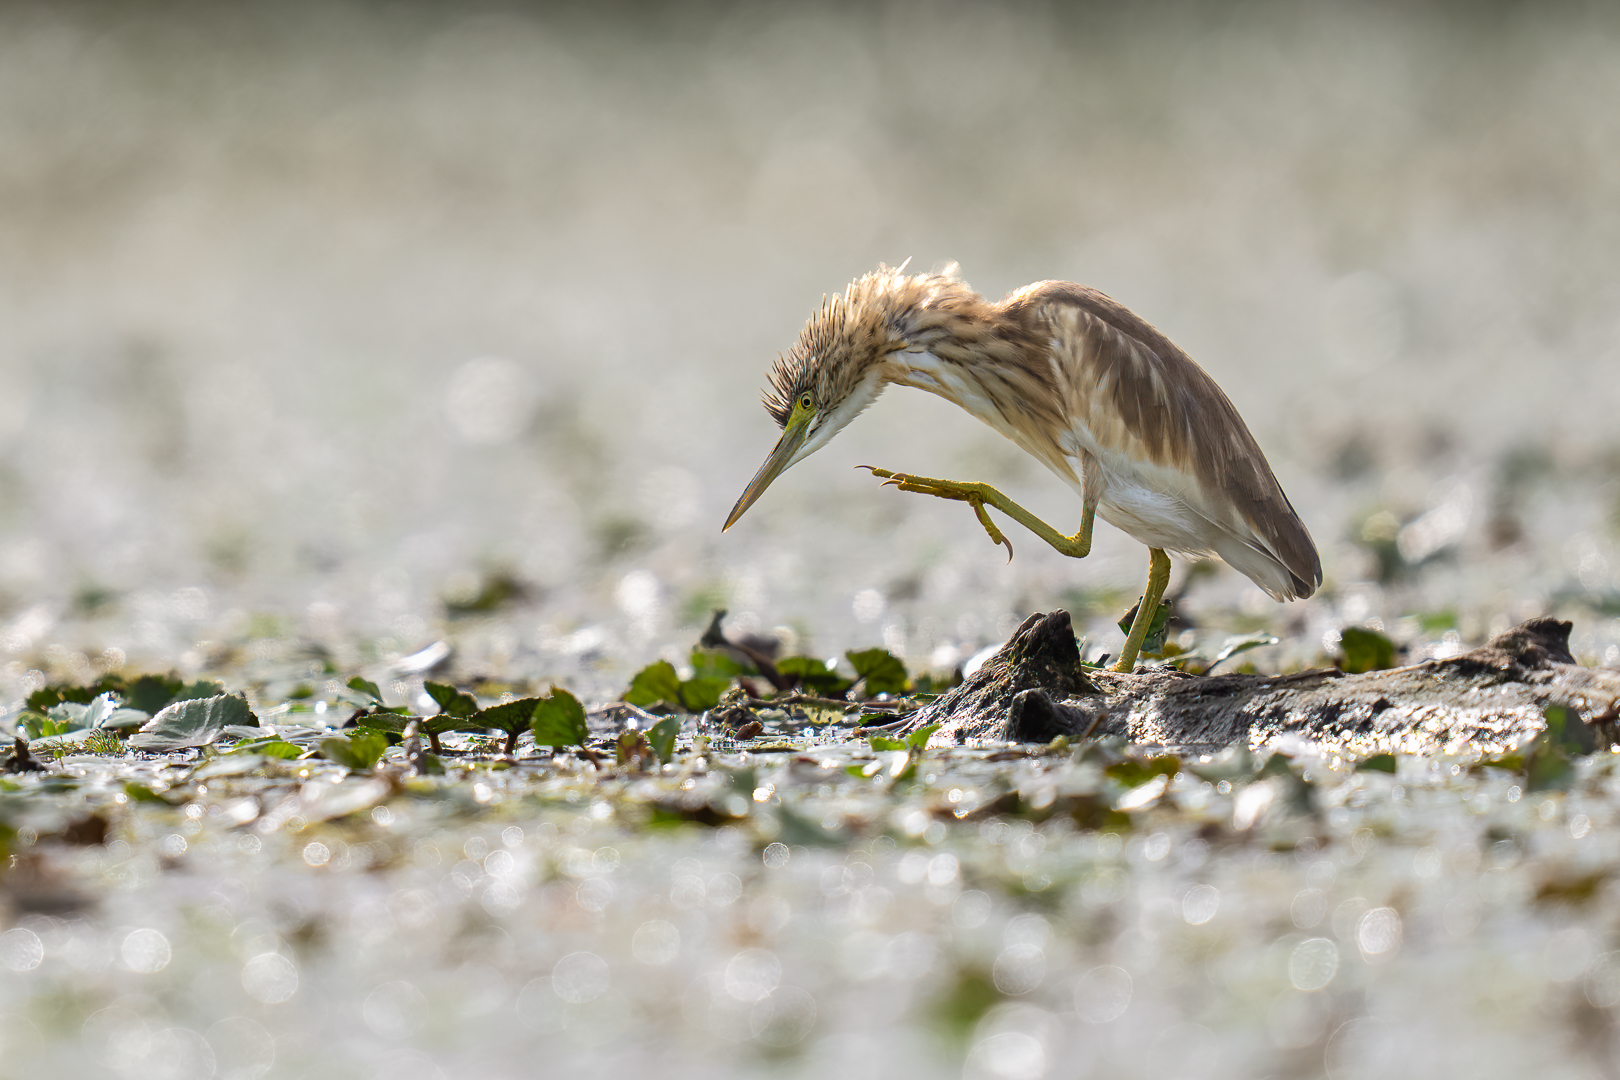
(505, 920)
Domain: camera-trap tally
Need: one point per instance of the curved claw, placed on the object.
(890, 479)
(995, 534)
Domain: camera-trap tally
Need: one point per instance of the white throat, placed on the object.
(866, 391)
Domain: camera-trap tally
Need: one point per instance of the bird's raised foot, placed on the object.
(959, 491)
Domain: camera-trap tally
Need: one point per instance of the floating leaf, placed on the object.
(366, 687)
(918, 740)
(378, 720)
(202, 688)
(150, 693)
(1363, 650)
(882, 743)
(703, 694)
(1153, 644)
(1384, 763)
(273, 747)
(814, 676)
(452, 702)
(559, 720)
(657, 682)
(632, 749)
(193, 722)
(1566, 732)
(1548, 770)
(512, 717)
(359, 751)
(42, 700)
(881, 671)
(715, 664)
(140, 793)
(661, 737)
(1547, 759)
(1133, 772)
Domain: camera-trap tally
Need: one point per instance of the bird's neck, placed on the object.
(981, 357)
(946, 338)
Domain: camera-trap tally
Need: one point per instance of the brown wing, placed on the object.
(1142, 396)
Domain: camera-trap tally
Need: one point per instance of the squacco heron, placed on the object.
(1100, 397)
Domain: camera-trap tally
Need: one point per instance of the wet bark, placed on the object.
(1486, 700)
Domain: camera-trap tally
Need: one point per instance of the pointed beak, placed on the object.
(787, 448)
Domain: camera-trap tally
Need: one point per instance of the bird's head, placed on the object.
(835, 370)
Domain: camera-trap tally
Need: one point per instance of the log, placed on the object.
(1487, 700)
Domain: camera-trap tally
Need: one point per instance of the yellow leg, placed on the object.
(979, 496)
(1158, 578)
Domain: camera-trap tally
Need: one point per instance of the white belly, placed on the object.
(1156, 519)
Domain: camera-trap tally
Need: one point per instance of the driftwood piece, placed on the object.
(1486, 700)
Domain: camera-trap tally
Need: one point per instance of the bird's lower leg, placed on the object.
(1158, 578)
(979, 496)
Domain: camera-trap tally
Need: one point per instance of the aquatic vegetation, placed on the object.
(654, 892)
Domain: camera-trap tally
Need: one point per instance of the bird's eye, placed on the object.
(806, 403)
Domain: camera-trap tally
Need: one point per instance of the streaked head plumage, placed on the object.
(854, 330)
(838, 366)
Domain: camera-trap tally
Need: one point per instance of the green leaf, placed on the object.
(1384, 763)
(1277, 764)
(1549, 757)
(882, 743)
(193, 722)
(451, 701)
(441, 723)
(625, 747)
(366, 687)
(1134, 772)
(275, 748)
(714, 664)
(1153, 644)
(1363, 650)
(882, 670)
(202, 688)
(509, 716)
(661, 737)
(1435, 622)
(654, 683)
(385, 720)
(559, 720)
(142, 794)
(1548, 770)
(150, 693)
(43, 699)
(359, 751)
(1565, 731)
(814, 676)
(702, 694)
(918, 740)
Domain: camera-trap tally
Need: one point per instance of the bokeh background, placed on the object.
(349, 327)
